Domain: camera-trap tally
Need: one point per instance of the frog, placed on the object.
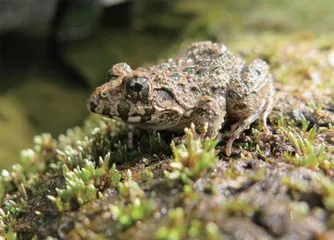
(206, 85)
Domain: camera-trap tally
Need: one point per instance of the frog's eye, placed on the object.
(137, 88)
(111, 75)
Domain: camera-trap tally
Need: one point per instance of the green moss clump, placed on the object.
(194, 158)
(83, 184)
(135, 206)
(308, 152)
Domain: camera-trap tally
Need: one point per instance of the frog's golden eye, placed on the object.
(111, 75)
(137, 88)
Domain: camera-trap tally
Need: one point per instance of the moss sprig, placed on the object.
(84, 183)
(306, 150)
(135, 205)
(194, 158)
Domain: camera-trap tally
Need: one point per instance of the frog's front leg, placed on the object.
(211, 112)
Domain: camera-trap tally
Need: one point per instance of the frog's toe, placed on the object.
(228, 148)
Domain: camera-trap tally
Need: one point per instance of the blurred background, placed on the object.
(55, 52)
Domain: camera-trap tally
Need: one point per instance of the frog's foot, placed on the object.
(236, 125)
(268, 107)
(237, 130)
(179, 140)
(208, 116)
(264, 125)
(203, 131)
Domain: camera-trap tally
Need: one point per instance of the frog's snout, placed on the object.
(92, 103)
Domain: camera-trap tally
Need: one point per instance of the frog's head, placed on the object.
(135, 97)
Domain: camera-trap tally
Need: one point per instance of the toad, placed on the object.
(205, 85)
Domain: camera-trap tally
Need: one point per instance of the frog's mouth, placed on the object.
(136, 121)
(155, 121)
(154, 126)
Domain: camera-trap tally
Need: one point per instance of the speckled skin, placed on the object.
(204, 84)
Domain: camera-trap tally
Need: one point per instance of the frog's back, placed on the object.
(197, 72)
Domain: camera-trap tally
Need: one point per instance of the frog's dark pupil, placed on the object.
(136, 87)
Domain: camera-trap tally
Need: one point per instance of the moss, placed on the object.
(83, 184)
(135, 206)
(10, 235)
(194, 158)
(307, 152)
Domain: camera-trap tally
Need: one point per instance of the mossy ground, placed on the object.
(87, 185)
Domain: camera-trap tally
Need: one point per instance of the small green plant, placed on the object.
(7, 182)
(128, 214)
(10, 211)
(179, 227)
(325, 187)
(2, 222)
(194, 158)
(281, 122)
(212, 231)
(32, 161)
(130, 189)
(135, 206)
(157, 144)
(190, 194)
(10, 234)
(176, 229)
(237, 207)
(307, 152)
(83, 184)
(300, 185)
(35, 160)
(320, 184)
